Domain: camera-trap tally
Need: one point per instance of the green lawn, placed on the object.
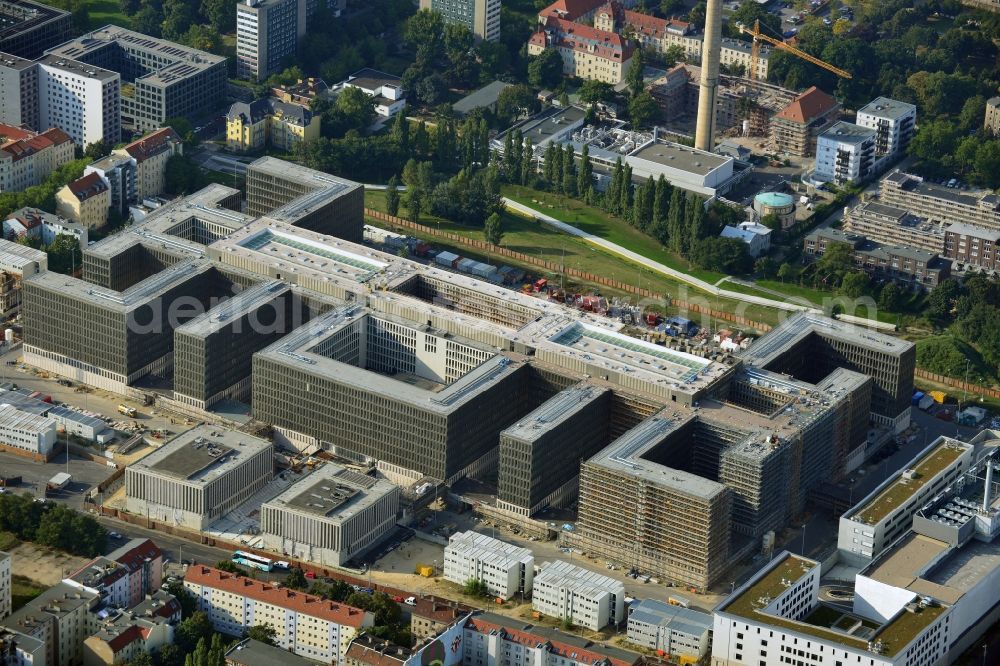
(103, 12)
(23, 590)
(597, 222)
(538, 240)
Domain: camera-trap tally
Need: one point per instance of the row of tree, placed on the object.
(44, 195)
(51, 524)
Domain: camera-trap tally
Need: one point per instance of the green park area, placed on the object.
(545, 243)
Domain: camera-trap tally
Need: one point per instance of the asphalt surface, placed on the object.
(86, 475)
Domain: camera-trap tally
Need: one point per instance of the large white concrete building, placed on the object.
(894, 123)
(504, 568)
(198, 476)
(924, 600)
(307, 625)
(562, 590)
(845, 153)
(885, 514)
(80, 99)
(330, 516)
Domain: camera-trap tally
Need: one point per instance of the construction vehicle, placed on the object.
(758, 37)
(130, 412)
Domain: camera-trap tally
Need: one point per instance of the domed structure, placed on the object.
(778, 203)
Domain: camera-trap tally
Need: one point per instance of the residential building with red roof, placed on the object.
(493, 639)
(429, 616)
(794, 129)
(86, 200)
(27, 158)
(368, 650)
(122, 636)
(579, 11)
(144, 562)
(307, 625)
(151, 154)
(586, 52)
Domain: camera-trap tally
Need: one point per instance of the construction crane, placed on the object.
(758, 36)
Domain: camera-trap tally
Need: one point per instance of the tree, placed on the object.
(749, 12)
(392, 197)
(181, 175)
(193, 630)
(941, 300)
(96, 150)
(585, 176)
(415, 204)
(493, 229)
(771, 221)
(546, 69)
(669, 8)
(569, 172)
(424, 32)
(184, 129)
(787, 272)
(176, 18)
(296, 579)
(674, 54)
(148, 19)
(634, 75)
(766, 267)
(354, 109)
(854, 284)
(726, 255)
(475, 588)
(836, 262)
(263, 633)
(643, 109)
(593, 91)
(515, 101)
(890, 297)
(401, 132)
(432, 89)
(230, 567)
(188, 603)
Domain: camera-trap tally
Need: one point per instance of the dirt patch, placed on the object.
(42, 565)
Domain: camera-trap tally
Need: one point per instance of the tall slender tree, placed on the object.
(392, 196)
(585, 177)
(569, 172)
(628, 191)
(527, 168)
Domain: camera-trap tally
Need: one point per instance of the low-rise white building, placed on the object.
(199, 476)
(386, 89)
(506, 569)
(675, 631)
(25, 434)
(330, 516)
(305, 624)
(16, 263)
(587, 598)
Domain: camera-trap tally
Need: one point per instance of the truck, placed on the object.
(59, 481)
(8, 481)
(130, 412)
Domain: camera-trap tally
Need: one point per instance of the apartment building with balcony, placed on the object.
(845, 153)
(894, 124)
(894, 226)
(939, 203)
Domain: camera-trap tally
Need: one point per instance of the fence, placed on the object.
(956, 383)
(554, 267)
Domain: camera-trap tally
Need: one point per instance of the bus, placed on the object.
(253, 561)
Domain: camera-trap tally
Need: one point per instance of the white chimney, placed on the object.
(988, 487)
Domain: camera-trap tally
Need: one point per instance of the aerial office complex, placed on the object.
(160, 79)
(924, 600)
(198, 476)
(28, 28)
(331, 516)
(421, 371)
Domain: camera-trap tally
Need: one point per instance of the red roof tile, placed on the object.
(135, 558)
(56, 136)
(152, 144)
(808, 106)
(12, 133)
(579, 654)
(570, 10)
(581, 37)
(87, 187)
(300, 602)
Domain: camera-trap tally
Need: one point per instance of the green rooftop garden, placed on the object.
(902, 489)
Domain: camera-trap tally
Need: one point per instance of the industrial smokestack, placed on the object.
(710, 53)
(989, 485)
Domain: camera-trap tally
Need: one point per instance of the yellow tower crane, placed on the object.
(758, 36)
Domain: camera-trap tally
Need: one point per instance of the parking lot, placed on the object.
(86, 475)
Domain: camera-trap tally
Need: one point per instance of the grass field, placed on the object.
(537, 240)
(597, 222)
(23, 590)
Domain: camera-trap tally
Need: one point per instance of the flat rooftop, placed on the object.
(549, 122)
(581, 581)
(203, 454)
(332, 492)
(883, 107)
(625, 455)
(896, 491)
(681, 157)
(555, 411)
(481, 546)
(68, 64)
(243, 303)
(14, 256)
(843, 132)
(323, 187)
(677, 618)
(18, 16)
(779, 340)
